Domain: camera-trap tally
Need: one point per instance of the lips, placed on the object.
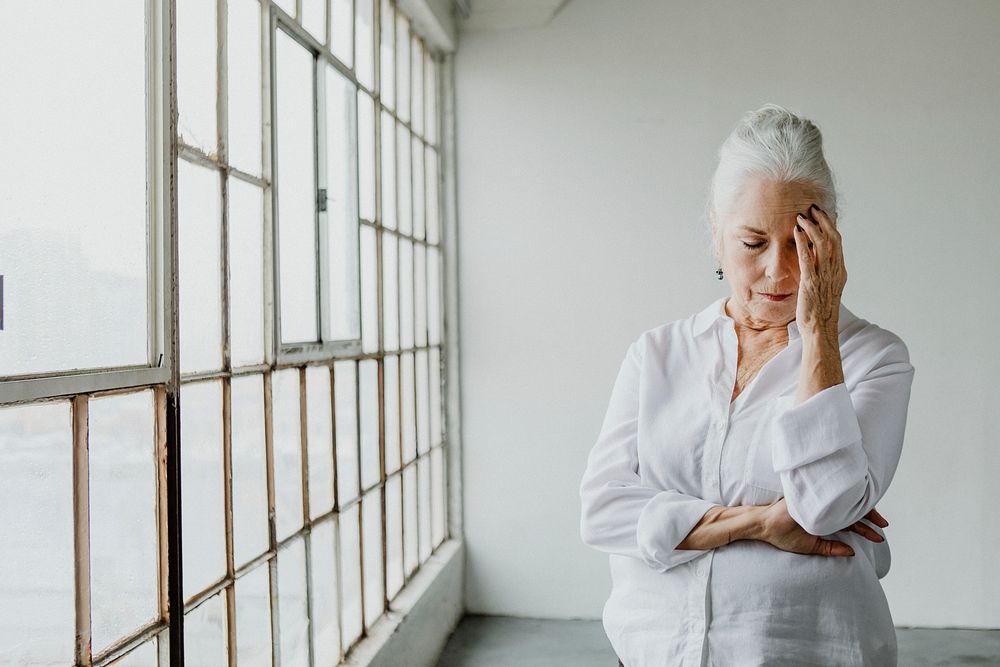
(775, 297)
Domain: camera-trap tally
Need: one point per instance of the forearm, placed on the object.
(722, 525)
(821, 364)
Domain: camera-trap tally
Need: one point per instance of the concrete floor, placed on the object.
(497, 641)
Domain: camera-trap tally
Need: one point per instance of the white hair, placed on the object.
(778, 145)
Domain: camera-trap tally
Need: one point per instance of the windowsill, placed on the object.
(422, 616)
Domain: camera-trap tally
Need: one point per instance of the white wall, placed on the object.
(584, 151)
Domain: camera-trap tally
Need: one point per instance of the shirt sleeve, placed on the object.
(619, 514)
(837, 452)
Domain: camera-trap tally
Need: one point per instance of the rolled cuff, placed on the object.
(822, 424)
(664, 523)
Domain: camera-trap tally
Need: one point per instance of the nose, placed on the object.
(780, 264)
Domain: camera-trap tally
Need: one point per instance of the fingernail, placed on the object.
(800, 216)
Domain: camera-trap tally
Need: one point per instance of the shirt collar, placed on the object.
(715, 313)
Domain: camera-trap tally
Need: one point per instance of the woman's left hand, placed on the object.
(822, 274)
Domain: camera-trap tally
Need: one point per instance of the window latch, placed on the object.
(321, 200)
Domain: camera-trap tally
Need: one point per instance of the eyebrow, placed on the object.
(753, 230)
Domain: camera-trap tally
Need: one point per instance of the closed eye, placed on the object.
(753, 245)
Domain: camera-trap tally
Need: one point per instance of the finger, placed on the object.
(866, 532)
(877, 518)
(817, 238)
(823, 221)
(833, 548)
(807, 265)
(829, 234)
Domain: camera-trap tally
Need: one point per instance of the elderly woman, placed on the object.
(745, 447)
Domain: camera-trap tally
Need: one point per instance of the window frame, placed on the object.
(305, 352)
(166, 381)
(159, 260)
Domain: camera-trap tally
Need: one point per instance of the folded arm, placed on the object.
(835, 450)
(619, 514)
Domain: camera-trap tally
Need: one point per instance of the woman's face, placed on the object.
(757, 250)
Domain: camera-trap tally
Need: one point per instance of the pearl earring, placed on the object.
(718, 271)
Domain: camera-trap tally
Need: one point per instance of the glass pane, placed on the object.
(36, 512)
(408, 416)
(388, 171)
(198, 222)
(405, 293)
(320, 439)
(244, 85)
(293, 616)
(345, 307)
(314, 18)
(365, 45)
(342, 207)
(403, 181)
(402, 66)
(410, 519)
(296, 190)
(143, 656)
(423, 423)
(393, 536)
(196, 74)
(433, 296)
(253, 618)
(202, 471)
(419, 187)
(287, 451)
(424, 507)
(346, 421)
(420, 294)
(390, 375)
(430, 99)
(205, 634)
(342, 31)
(287, 5)
(250, 531)
(246, 273)
(371, 523)
(369, 290)
(72, 255)
(368, 381)
(366, 156)
(417, 83)
(163, 647)
(437, 496)
(435, 409)
(387, 82)
(390, 301)
(325, 635)
(431, 183)
(350, 575)
(123, 546)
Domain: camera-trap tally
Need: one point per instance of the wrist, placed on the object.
(821, 338)
(749, 522)
(822, 365)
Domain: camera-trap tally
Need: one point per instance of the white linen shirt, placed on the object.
(672, 446)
